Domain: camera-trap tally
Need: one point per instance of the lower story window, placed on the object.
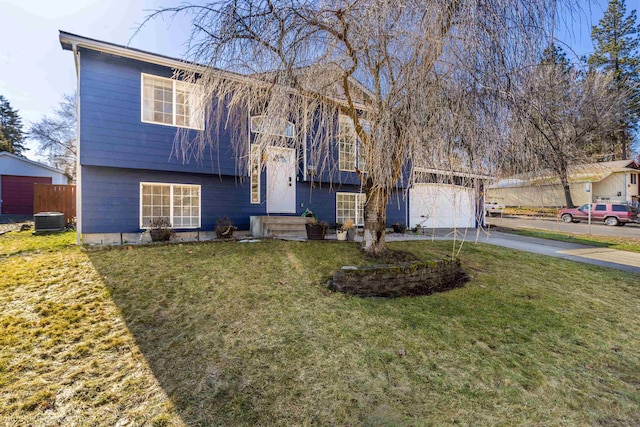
(350, 206)
(179, 203)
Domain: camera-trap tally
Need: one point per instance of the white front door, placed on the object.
(281, 180)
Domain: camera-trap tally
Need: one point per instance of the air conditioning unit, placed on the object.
(48, 221)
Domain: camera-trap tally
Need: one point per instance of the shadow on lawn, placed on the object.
(176, 328)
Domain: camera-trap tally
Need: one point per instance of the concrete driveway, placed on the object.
(611, 258)
(620, 260)
(549, 224)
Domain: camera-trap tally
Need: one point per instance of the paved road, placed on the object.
(599, 229)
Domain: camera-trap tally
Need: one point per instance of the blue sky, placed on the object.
(35, 72)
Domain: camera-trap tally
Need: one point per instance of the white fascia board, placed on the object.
(451, 173)
(67, 40)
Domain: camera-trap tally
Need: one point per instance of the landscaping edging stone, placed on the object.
(406, 279)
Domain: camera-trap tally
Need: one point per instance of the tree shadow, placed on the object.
(176, 329)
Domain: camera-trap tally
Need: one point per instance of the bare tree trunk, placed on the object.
(375, 219)
(564, 180)
(623, 141)
(567, 192)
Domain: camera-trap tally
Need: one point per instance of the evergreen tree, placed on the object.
(11, 134)
(616, 40)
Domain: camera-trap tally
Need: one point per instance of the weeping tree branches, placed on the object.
(423, 83)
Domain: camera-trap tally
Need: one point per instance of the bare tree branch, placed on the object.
(426, 84)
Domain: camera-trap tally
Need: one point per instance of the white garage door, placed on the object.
(441, 206)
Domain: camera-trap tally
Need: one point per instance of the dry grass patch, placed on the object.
(66, 355)
(532, 211)
(13, 243)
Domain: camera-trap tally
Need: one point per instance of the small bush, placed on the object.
(161, 230)
(399, 228)
(224, 228)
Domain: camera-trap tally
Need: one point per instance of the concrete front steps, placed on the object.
(279, 226)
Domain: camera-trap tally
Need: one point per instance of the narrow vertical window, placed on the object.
(255, 167)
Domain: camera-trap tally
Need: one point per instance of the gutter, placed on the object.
(75, 41)
(452, 173)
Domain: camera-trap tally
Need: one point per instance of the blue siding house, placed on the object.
(130, 109)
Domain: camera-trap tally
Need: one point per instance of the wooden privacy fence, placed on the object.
(55, 198)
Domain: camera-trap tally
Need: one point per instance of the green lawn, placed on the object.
(228, 333)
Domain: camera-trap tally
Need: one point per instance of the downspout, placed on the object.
(304, 143)
(76, 57)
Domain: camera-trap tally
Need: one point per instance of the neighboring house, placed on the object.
(616, 181)
(17, 177)
(130, 109)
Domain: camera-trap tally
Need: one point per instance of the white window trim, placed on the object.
(256, 129)
(172, 185)
(193, 89)
(359, 222)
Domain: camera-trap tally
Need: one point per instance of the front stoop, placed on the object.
(279, 226)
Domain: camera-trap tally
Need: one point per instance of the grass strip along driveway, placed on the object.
(618, 243)
(228, 333)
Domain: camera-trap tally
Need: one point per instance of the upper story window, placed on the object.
(273, 126)
(171, 102)
(350, 149)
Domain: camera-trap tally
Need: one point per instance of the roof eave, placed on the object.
(33, 162)
(452, 173)
(68, 40)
